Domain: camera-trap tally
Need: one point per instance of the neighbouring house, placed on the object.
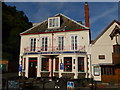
(105, 54)
(57, 47)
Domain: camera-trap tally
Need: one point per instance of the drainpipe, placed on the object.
(52, 57)
(52, 41)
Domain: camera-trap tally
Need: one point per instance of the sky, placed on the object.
(101, 13)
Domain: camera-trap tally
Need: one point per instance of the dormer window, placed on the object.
(53, 22)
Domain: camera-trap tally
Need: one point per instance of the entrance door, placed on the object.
(32, 67)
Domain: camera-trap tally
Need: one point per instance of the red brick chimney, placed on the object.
(86, 8)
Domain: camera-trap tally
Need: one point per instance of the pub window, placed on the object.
(80, 64)
(68, 64)
(44, 43)
(96, 71)
(45, 64)
(54, 22)
(32, 44)
(60, 43)
(56, 64)
(101, 56)
(74, 42)
(24, 63)
(116, 48)
(107, 70)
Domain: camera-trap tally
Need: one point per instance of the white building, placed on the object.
(57, 47)
(105, 54)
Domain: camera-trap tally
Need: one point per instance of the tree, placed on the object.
(13, 23)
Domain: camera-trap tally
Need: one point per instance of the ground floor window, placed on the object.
(80, 64)
(96, 71)
(45, 64)
(56, 64)
(68, 64)
(107, 70)
(24, 63)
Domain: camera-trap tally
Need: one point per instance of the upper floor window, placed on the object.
(44, 44)
(54, 22)
(32, 44)
(60, 43)
(74, 42)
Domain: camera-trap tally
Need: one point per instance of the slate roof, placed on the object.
(65, 24)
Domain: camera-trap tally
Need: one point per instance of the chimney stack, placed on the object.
(86, 8)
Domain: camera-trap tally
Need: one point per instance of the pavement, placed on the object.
(45, 84)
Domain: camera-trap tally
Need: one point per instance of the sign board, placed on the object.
(61, 66)
(20, 68)
(70, 85)
(13, 84)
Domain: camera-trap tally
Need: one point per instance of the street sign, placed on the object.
(20, 68)
(70, 85)
(61, 66)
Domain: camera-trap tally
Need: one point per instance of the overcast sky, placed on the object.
(101, 13)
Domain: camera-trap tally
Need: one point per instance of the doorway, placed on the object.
(32, 67)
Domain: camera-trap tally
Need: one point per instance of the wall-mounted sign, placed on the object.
(61, 66)
(13, 84)
(20, 68)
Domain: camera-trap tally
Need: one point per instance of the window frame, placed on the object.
(45, 64)
(53, 22)
(44, 43)
(60, 43)
(74, 42)
(81, 65)
(98, 72)
(68, 64)
(33, 43)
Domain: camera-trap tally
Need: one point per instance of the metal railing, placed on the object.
(53, 49)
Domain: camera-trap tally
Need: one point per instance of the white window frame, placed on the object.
(33, 42)
(96, 73)
(74, 42)
(60, 42)
(44, 44)
(53, 22)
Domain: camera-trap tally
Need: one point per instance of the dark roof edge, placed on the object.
(54, 32)
(114, 21)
